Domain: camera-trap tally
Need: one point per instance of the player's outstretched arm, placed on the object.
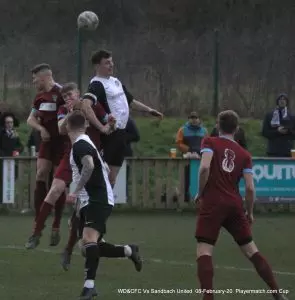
(250, 194)
(137, 105)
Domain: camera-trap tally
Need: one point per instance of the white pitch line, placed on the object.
(153, 260)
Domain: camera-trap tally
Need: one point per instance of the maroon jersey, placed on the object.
(94, 133)
(229, 162)
(61, 114)
(46, 104)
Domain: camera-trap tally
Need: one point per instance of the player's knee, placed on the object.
(249, 249)
(90, 235)
(204, 249)
(42, 174)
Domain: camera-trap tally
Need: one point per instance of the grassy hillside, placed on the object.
(158, 137)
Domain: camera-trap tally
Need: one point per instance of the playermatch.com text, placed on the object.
(151, 291)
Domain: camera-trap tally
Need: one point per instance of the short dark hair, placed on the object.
(76, 120)
(99, 55)
(69, 86)
(228, 121)
(41, 67)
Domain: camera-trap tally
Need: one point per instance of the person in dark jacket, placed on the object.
(10, 144)
(279, 129)
(132, 136)
(240, 136)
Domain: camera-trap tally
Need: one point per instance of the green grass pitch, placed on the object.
(167, 246)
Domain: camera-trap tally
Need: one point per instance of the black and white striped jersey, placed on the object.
(113, 96)
(98, 187)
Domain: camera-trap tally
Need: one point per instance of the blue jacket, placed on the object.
(190, 137)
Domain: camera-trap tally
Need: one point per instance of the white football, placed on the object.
(88, 20)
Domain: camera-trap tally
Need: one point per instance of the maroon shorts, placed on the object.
(52, 150)
(231, 217)
(64, 171)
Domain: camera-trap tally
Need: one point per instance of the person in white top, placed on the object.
(94, 200)
(116, 100)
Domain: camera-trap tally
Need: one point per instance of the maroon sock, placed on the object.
(41, 219)
(39, 196)
(205, 274)
(265, 272)
(58, 210)
(73, 237)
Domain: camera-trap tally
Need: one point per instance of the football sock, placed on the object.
(91, 261)
(110, 250)
(127, 251)
(205, 274)
(39, 196)
(73, 237)
(265, 272)
(59, 207)
(89, 284)
(43, 214)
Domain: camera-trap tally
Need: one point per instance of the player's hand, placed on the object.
(112, 120)
(250, 218)
(71, 199)
(282, 130)
(195, 155)
(107, 129)
(75, 105)
(45, 136)
(156, 114)
(187, 155)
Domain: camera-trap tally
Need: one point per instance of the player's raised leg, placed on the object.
(44, 167)
(57, 189)
(105, 249)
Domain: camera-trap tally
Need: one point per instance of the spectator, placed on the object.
(189, 136)
(240, 136)
(279, 129)
(132, 136)
(188, 140)
(10, 143)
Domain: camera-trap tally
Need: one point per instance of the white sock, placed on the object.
(127, 250)
(89, 284)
